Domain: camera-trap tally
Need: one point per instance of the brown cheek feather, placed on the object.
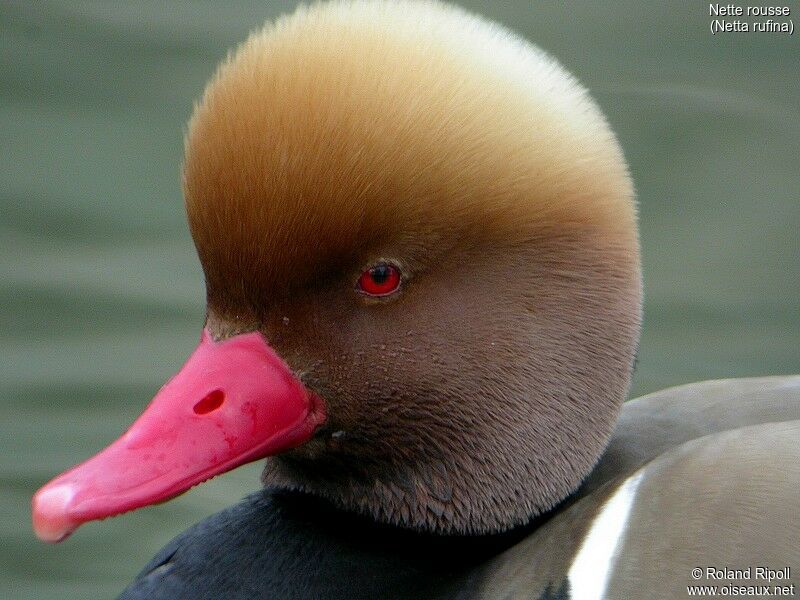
(472, 418)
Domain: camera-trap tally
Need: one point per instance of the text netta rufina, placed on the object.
(419, 240)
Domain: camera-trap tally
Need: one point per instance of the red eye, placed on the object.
(381, 280)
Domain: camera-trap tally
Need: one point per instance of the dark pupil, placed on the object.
(380, 274)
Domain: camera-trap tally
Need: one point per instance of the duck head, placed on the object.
(419, 242)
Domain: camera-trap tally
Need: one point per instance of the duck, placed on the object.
(424, 300)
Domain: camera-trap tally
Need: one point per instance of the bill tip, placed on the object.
(51, 520)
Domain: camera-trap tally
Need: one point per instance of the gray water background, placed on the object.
(102, 296)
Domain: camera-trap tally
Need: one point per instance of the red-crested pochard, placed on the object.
(419, 240)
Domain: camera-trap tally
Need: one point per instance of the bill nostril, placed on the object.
(211, 402)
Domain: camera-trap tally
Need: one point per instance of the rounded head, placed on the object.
(416, 137)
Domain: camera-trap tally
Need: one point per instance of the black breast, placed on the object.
(287, 546)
